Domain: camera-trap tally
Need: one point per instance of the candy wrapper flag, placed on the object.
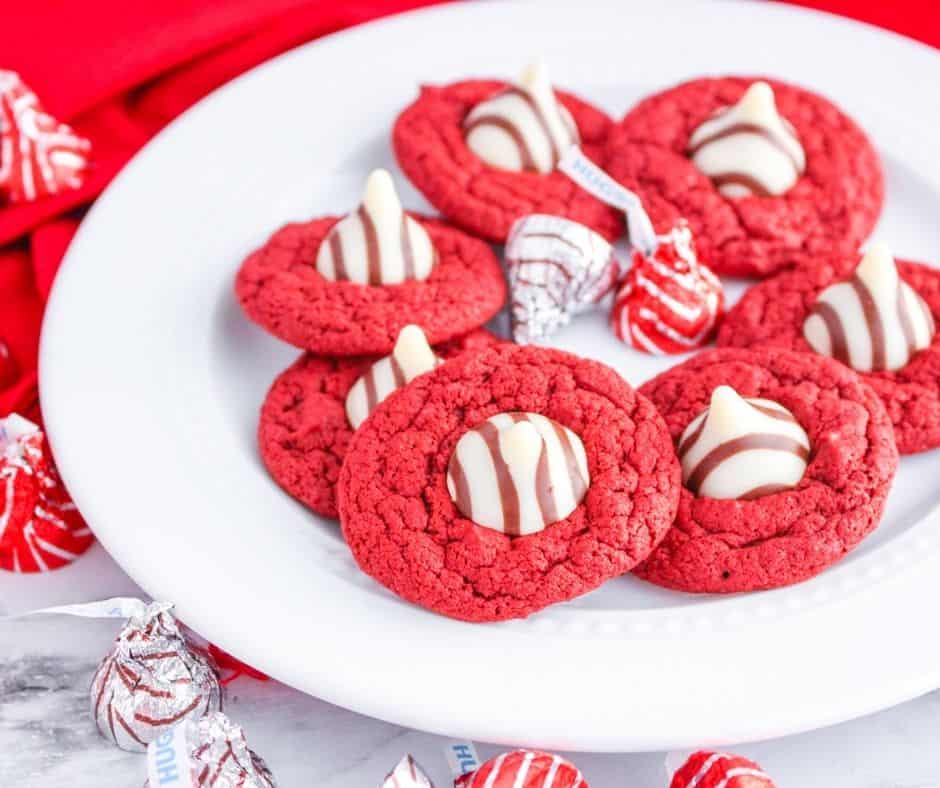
(720, 770)
(669, 301)
(557, 268)
(40, 528)
(209, 750)
(151, 680)
(524, 769)
(407, 774)
(38, 155)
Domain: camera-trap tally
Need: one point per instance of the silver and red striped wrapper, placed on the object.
(208, 751)
(152, 679)
(557, 269)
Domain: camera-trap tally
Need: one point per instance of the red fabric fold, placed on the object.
(118, 72)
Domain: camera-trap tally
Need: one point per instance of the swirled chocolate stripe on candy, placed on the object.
(524, 128)
(748, 148)
(518, 473)
(377, 244)
(873, 321)
(720, 449)
(412, 356)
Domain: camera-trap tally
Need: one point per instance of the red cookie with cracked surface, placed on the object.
(728, 545)
(404, 530)
(835, 202)
(484, 200)
(303, 433)
(771, 314)
(280, 288)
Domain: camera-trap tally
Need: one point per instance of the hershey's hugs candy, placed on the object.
(523, 128)
(706, 769)
(411, 357)
(669, 301)
(742, 448)
(872, 322)
(524, 769)
(151, 680)
(518, 473)
(377, 244)
(557, 268)
(749, 149)
(407, 774)
(206, 751)
(39, 156)
(40, 526)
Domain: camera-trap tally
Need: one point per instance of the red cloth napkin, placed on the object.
(119, 71)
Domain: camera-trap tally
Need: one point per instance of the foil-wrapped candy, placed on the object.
(407, 774)
(41, 155)
(670, 301)
(558, 268)
(40, 527)
(705, 768)
(151, 680)
(524, 769)
(209, 750)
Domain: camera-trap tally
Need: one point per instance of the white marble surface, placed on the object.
(47, 738)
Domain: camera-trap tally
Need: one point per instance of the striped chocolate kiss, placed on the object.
(523, 128)
(412, 356)
(742, 448)
(377, 244)
(873, 321)
(749, 149)
(518, 473)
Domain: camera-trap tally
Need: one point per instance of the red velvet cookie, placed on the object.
(732, 545)
(280, 288)
(303, 433)
(771, 314)
(836, 200)
(484, 200)
(405, 531)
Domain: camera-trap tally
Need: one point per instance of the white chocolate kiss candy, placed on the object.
(377, 244)
(518, 473)
(523, 128)
(742, 448)
(873, 321)
(411, 357)
(749, 148)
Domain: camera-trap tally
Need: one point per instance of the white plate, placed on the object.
(152, 379)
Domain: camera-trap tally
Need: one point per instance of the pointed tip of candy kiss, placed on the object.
(535, 76)
(413, 353)
(877, 265)
(725, 408)
(758, 101)
(12, 428)
(380, 194)
(20, 425)
(521, 445)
